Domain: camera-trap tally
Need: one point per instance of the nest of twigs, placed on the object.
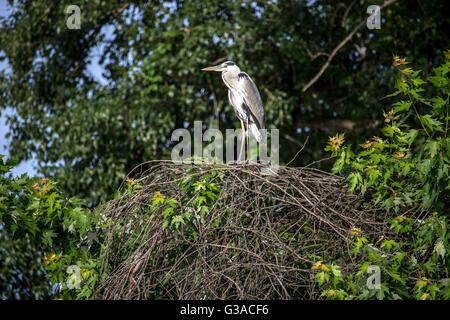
(257, 240)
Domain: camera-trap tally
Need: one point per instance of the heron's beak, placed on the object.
(215, 68)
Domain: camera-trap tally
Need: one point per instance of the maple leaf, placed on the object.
(336, 141)
(399, 61)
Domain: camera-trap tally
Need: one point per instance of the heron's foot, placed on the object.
(243, 162)
(236, 162)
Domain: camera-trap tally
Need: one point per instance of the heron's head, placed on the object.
(223, 67)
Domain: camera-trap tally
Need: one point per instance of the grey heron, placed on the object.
(245, 99)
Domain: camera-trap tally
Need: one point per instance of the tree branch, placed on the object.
(332, 125)
(312, 56)
(304, 144)
(347, 12)
(340, 45)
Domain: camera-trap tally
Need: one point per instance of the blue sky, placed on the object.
(25, 166)
(95, 69)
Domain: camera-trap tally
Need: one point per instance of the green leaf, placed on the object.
(407, 70)
(417, 81)
(47, 237)
(411, 135)
(433, 124)
(393, 94)
(438, 104)
(438, 81)
(401, 106)
(439, 248)
(396, 276)
(388, 244)
(359, 243)
(177, 220)
(201, 200)
(355, 179)
(167, 212)
(389, 130)
(322, 277)
(432, 147)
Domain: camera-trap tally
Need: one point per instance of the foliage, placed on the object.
(407, 172)
(88, 133)
(409, 167)
(46, 240)
(414, 264)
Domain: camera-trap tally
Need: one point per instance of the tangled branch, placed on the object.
(256, 239)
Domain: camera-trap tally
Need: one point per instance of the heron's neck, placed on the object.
(229, 78)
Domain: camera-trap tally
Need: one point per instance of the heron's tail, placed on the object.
(259, 134)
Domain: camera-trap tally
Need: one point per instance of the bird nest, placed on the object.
(229, 232)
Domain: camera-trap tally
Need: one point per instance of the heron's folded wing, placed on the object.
(252, 98)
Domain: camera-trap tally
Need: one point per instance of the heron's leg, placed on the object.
(242, 141)
(247, 127)
(248, 143)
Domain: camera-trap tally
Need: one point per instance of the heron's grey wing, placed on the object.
(252, 98)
